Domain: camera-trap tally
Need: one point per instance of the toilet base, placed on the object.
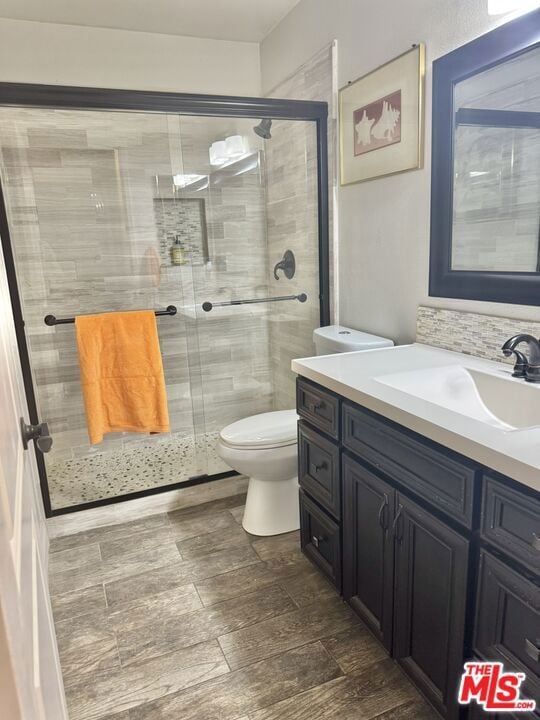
(272, 507)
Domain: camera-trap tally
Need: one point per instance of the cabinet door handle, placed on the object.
(397, 527)
(536, 541)
(322, 466)
(317, 405)
(533, 649)
(316, 540)
(383, 516)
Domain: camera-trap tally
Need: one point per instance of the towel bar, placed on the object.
(207, 306)
(52, 320)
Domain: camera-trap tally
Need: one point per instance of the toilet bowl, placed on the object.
(264, 447)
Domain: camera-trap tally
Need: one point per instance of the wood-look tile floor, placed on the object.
(185, 616)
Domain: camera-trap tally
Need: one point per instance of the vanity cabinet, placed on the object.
(318, 406)
(368, 544)
(511, 522)
(318, 462)
(442, 478)
(320, 539)
(438, 555)
(430, 597)
(405, 574)
(507, 623)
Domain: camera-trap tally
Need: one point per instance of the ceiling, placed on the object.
(245, 20)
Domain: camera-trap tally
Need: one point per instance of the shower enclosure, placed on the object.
(116, 200)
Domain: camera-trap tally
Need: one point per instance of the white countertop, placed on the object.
(354, 376)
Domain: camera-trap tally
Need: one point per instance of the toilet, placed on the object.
(264, 447)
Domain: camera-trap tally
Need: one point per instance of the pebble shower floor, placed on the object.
(145, 465)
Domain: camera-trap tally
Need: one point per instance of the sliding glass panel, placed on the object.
(292, 221)
(92, 232)
(223, 170)
(261, 200)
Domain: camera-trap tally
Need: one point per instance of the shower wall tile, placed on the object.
(291, 175)
(41, 138)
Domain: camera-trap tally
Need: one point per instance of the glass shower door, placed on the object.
(259, 205)
(92, 231)
(233, 341)
(112, 211)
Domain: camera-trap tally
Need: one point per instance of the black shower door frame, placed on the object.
(56, 97)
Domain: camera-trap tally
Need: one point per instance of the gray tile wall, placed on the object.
(291, 172)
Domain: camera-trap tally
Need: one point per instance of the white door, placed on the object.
(30, 678)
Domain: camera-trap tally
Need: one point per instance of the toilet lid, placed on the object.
(268, 430)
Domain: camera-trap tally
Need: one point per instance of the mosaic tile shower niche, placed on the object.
(183, 220)
(96, 202)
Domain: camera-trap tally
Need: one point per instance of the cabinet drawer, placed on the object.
(511, 522)
(318, 406)
(318, 469)
(320, 539)
(443, 478)
(507, 627)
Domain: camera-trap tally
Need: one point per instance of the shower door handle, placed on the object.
(38, 433)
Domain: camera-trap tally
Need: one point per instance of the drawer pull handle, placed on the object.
(397, 527)
(318, 468)
(316, 540)
(533, 649)
(536, 541)
(317, 405)
(383, 516)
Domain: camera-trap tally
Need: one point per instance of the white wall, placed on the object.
(53, 54)
(384, 223)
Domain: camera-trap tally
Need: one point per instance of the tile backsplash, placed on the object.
(470, 333)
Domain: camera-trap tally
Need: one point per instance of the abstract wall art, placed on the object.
(381, 119)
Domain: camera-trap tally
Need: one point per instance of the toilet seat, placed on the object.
(262, 432)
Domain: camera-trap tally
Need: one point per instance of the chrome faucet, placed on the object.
(529, 368)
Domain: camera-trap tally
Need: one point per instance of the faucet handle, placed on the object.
(520, 368)
(287, 264)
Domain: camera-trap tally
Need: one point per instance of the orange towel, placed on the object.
(121, 373)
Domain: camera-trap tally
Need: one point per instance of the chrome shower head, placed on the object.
(263, 129)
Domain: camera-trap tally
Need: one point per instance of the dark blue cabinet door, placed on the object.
(368, 548)
(430, 603)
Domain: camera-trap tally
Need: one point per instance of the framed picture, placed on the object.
(381, 129)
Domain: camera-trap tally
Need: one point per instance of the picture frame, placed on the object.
(381, 119)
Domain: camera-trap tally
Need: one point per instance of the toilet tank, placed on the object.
(339, 339)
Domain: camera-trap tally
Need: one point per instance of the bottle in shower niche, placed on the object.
(178, 252)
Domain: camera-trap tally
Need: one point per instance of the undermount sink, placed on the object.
(498, 401)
